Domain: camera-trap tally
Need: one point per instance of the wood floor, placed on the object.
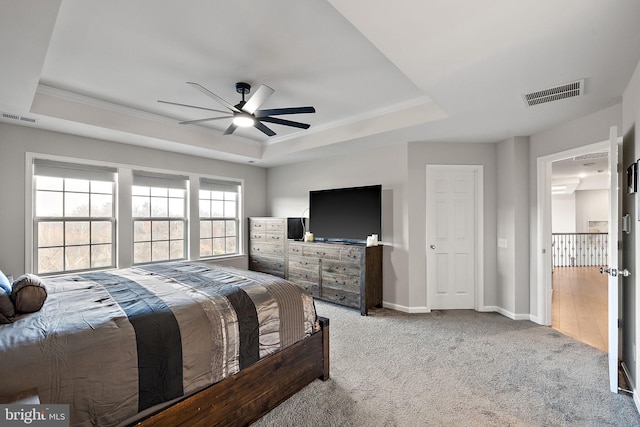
(579, 304)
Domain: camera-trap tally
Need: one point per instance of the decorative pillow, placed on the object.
(28, 293)
(6, 307)
(5, 283)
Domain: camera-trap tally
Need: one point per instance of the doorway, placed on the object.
(544, 264)
(580, 216)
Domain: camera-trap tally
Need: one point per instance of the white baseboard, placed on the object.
(632, 386)
(404, 308)
(506, 313)
(486, 308)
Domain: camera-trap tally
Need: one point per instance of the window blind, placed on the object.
(51, 168)
(152, 179)
(208, 184)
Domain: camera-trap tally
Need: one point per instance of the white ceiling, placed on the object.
(583, 172)
(377, 72)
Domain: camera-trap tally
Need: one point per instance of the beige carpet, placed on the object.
(454, 368)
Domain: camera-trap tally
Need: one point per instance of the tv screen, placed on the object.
(346, 214)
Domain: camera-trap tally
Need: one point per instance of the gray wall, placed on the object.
(401, 169)
(289, 186)
(631, 300)
(513, 227)
(16, 141)
(591, 205)
(420, 155)
(586, 130)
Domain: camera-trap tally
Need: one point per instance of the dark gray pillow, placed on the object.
(28, 293)
(7, 310)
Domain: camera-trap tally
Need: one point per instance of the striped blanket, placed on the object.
(116, 343)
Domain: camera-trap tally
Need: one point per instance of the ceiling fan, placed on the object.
(246, 113)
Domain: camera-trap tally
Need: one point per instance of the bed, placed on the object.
(181, 343)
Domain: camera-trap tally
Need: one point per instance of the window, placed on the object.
(219, 217)
(82, 213)
(159, 217)
(74, 217)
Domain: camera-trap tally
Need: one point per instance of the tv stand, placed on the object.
(349, 274)
(346, 273)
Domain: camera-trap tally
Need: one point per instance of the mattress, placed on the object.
(116, 343)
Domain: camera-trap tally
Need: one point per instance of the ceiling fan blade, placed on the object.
(281, 111)
(258, 125)
(191, 122)
(193, 106)
(214, 96)
(284, 122)
(230, 129)
(257, 99)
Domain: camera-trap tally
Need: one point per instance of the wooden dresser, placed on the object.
(343, 273)
(267, 240)
(347, 274)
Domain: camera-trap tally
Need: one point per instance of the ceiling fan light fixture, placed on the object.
(243, 120)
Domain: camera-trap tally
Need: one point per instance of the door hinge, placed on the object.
(620, 323)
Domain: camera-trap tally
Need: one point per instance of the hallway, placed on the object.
(579, 305)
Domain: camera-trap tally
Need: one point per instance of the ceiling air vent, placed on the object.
(591, 156)
(17, 117)
(556, 93)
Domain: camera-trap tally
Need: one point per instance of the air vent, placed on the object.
(591, 156)
(556, 93)
(16, 117)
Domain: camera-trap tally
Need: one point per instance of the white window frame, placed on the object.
(123, 209)
(226, 186)
(66, 170)
(165, 182)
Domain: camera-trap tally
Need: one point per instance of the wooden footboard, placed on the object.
(245, 397)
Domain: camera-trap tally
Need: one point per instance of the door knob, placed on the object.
(432, 246)
(615, 272)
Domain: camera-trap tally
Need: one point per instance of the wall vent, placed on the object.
(556, 93)
(591, 156)
(17, 117)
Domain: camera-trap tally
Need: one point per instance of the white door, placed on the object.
(613, 261)
(451, 236)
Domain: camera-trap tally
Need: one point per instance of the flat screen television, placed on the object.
(346, 214)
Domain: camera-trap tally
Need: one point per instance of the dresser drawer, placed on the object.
(266, 236)
(303, 263)
(321, 251)
(306, 275)
(338, 281)
(258, 248)
(311, 288)
(268, 224)
(343, 268)
(350, 299)
(269, 265)
(354, 254)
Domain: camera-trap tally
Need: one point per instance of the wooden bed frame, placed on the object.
(248, 395)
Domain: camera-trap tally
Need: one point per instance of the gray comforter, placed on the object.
(114, 344)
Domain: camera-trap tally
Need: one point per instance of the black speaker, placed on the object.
(295, 229)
